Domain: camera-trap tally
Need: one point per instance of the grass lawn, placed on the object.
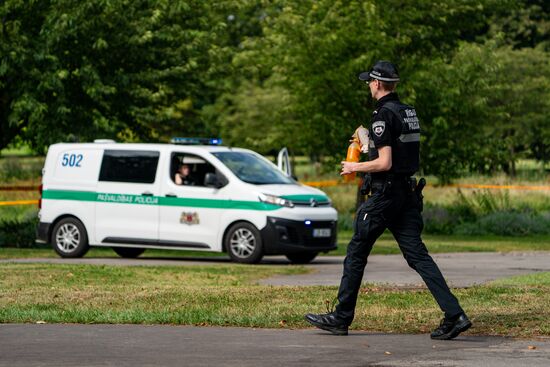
(439, 244)
(48, 252)
(385, 245)
(227, 295)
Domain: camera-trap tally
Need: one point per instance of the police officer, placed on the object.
(395, 203)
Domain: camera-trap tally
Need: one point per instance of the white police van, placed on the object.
(127, 196)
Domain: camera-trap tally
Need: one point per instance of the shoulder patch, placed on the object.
(378, 127)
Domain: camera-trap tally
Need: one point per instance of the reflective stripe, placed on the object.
(384, 79)
(410, 138)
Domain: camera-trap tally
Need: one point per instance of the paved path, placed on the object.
(460, 269)
(136, 345)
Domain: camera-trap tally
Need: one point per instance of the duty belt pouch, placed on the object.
(366, 186)
(418, 192)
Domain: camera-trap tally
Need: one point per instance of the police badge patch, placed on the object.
(378, 128)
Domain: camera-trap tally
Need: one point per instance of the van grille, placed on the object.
(308, 203)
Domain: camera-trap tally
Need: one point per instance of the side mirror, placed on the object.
(211, 180)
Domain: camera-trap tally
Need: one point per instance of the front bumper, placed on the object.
(284, 236)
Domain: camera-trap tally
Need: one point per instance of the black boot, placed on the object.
(450, 328)
(329, 322)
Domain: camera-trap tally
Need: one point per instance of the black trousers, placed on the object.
(399, 211)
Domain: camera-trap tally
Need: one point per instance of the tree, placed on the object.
(524, 24)
(315, 49)
(132, 70)
(19, 33)
(520, 94)
(456, 116)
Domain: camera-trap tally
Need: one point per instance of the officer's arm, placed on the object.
(380, 164)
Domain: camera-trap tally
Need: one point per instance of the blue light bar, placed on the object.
(196, 141)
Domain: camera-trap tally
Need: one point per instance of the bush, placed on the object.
(20, 168)
(12, 169)
(508, 223)
(483, 213)
(438, 220)
(345, 221)
(18, 232)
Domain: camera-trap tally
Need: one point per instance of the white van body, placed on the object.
(125, 196)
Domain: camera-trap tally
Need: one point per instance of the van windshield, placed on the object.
(253, 169)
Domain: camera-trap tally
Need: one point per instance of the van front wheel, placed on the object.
(244, 243)
(69, 238)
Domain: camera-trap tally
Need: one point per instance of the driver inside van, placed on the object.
(183, 176)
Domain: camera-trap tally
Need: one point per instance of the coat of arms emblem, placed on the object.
(189, 218)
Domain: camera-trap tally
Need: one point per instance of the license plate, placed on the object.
(321, 232)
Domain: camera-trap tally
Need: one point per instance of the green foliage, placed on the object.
(15, 168)
(525, 24)
(438, 220)
(133, 70)
(246, 124)
(521, 96)
(302, 70)
(268, 74)
(508, 223)
(18, 232)
(315, 50)
(486, 213)
(452, 98)
(484, 202)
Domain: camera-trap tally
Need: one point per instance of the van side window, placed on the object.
(135, 166)
(189, 169)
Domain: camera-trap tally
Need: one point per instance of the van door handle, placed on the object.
(147, 193)
(170, 195)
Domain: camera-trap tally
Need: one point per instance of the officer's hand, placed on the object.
(347, 168)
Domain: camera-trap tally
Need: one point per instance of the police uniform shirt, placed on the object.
(402, 134)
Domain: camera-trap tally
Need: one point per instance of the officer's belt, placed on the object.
(393, 182)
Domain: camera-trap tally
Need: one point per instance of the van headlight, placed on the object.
(275, 200)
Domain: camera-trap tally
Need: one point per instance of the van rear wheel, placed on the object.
(243, 243)
(69, 238)
(302, 257)
(128, 252)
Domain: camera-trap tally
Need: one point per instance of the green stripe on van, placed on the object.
(155, 200)
(320, 198)
(69, 195)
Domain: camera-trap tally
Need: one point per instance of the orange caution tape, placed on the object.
(499, 187)
(18, 202)
(330, 183)
(325, 183)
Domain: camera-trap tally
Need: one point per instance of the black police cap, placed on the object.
(382, 70)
